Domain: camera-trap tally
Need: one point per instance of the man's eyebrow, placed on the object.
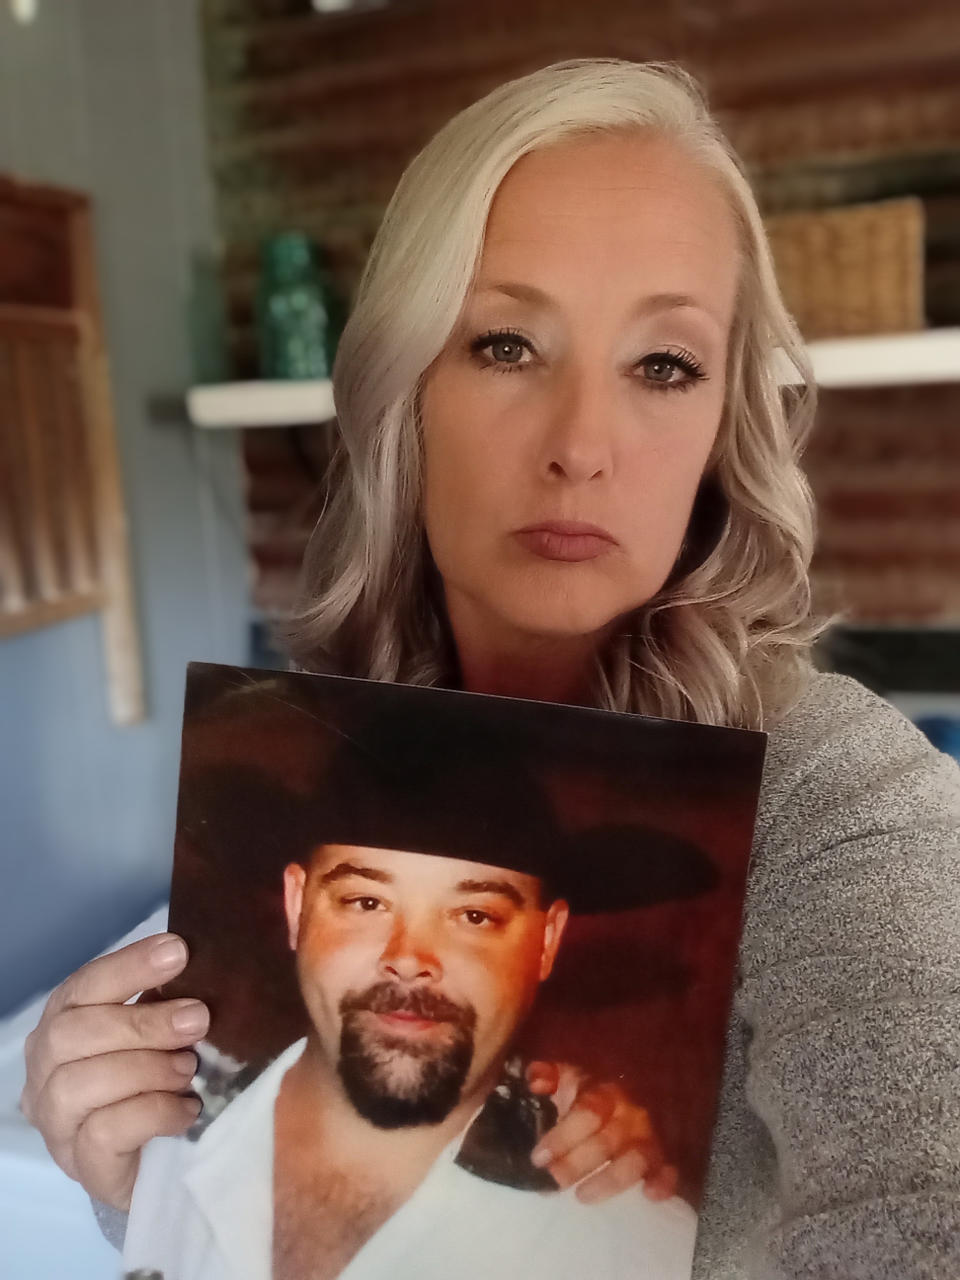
(344, 869)
(503, 887)
(645, 306)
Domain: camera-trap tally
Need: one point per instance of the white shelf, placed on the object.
(274, 403)
(899, 359)
(887, 360)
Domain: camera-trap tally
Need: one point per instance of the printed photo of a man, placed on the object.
(417, 971)
(425, 905)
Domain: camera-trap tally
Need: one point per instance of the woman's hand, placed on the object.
(103, 1077)
(602, 1141)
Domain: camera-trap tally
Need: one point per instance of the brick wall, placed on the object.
(885, 466)
(313, 117)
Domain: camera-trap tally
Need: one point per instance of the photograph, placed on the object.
(469, 963)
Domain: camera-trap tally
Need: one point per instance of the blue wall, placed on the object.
(106, 96)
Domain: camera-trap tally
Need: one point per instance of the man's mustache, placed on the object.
(419, 1002)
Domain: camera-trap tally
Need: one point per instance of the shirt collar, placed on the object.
(231, 1173)
(230, 1176)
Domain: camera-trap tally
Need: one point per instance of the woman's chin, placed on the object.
(549, 607)
(568, 609)
(561, 620)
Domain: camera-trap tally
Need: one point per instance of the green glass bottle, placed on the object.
(297, 309)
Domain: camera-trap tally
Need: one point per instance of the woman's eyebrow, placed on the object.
(653, 302)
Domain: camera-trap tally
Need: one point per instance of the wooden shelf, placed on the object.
(899, 359)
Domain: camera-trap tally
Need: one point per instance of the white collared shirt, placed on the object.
(204, 1211)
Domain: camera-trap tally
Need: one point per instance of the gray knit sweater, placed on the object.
(837, 1149)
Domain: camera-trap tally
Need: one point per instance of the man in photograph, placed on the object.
(394, 1140)
(418, 971)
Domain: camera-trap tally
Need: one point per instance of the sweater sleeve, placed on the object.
(850, 988)
(112, 1223)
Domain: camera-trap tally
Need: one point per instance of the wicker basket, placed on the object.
(852, 270)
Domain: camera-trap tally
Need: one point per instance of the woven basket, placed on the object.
(852, 270)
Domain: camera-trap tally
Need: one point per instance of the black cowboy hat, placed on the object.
(428, 777)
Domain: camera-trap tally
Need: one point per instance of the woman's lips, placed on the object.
(566, 540)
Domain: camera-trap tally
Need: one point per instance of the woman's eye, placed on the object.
(502, 351)
(505, 350)
(662, 368)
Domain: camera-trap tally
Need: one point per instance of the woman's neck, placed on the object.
(520, 665)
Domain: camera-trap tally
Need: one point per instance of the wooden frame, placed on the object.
(63, 534)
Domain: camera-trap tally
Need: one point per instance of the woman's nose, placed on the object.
(409, 954)
(578, 440)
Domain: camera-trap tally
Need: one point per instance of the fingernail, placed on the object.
(190, 1019)
(195, 1102)
(541, 1156)
(185, 1063)
(169, 953)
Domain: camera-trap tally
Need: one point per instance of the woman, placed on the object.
(622, 522)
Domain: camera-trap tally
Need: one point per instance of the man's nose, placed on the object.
(578, 442)
(409, 954)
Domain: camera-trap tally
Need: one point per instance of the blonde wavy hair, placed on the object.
(727, 638)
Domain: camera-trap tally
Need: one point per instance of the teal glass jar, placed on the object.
(297, 309)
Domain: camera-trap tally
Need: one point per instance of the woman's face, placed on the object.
(569, 418)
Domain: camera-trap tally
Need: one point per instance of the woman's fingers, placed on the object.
(543, 1077)
(576, 1127)
(593, 1108)
(108, 1143)
(80, 1032)
(77, 1089)
(590, 1154)
(662, 1184)
(605, 1144)
(561, 1081)
(627, 1170)
(102, 1073)
(119, 976)
(85, 1016)
(616, 1176)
